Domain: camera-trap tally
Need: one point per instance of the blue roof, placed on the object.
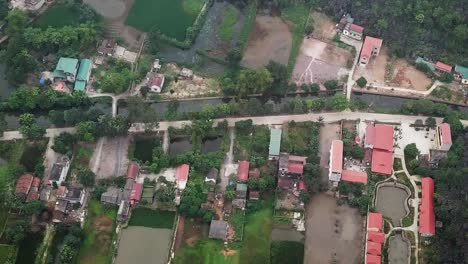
(80, 85)
(85, 70)
(275, 141)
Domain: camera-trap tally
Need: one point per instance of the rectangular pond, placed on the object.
(144, 146)
(179, 146)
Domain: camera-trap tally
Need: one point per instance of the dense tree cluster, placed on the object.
(431, 28)
(192, 198)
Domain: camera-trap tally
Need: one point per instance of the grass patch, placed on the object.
(205, 251)
(253, 144)
(250, 14)
(297, 15)
(229, 20)
(6, 252)
(408, 220)
(442, 92)
(58, 15)
(397, 164)
(99, 228)
(238, 221)
(171, 17)
(152, 218)
(290, 252)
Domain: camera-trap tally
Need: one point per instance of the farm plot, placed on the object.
(318, 62)
(384, 71)
(146, 245)
(269, 40)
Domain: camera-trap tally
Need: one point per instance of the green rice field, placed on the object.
(171, 17)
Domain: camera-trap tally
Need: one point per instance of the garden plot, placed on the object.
(269, 40)
(318, 62)
(384, 71)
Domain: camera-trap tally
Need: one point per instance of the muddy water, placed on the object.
(211, 145)
(179, 146)
(398, 251)
(390, 201)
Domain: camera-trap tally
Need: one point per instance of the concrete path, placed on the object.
(407, 91)
(228, 163)
(357, 45)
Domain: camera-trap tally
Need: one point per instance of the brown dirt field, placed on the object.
(229, 252)
(333, 233)
(269, 40)
(110, 157)
(103, 223)
(328, 133)
(318, 61)
(324, 27)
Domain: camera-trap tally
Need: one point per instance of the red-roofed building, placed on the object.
(286, 183)
(296, 168)
(370, 48)
(156, 83)
(182, 174)
(373, 248)
(243, 171)
(61, 191)
(369, 136)
(443, 68)
(372, 259)
(382, 162)
(23, 184)
(354, 176)
(356, 28)
(443, 138)
(302, 186)
(133, 170)
(426, 210)
(374, 222)
(254, 195)
(32, 196)
(297, 159)
(135, 195)
(383, 137)
(377, 237)
(36, 182)
(336, 161)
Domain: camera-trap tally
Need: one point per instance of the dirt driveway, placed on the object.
(328, 133)
(399, 73)
(269, 40)
(110, 157)
(318, 62)
(333, 233)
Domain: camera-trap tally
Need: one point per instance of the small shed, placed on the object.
(186, 73)
(218, 229)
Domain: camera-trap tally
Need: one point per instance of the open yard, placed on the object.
(58, 15)
(99, 231)
(110, 157)
(171, 17)
(324, 27)
(6, 252)
(144, 245)
(385, 71)
(269, 40)
(328, 133)
(152, 218)
(318, 62)
(333, 232)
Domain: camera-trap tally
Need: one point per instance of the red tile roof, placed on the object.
(294, 159)
(243, 170)
(23, 184)
(182, 172)
(133, 170)
(443, 67)
(61, 191)
(136, 192)
(286, 183)
(302, 186)
(356, 28)
(343, 21)
(156, 81)
(36, 182)
(254, 195)
(354, 176)
(374, 221)
(426, 210)
(336, 163)
(32, 196)
(377, 237)
(445, 133)
(383, 137)
(373, 248)
(295, 168)
(370, 135)
(369, 44)
(371, 259)
(382, 162)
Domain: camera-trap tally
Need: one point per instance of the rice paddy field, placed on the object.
(171, 17)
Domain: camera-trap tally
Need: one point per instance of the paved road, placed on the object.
(50, 132)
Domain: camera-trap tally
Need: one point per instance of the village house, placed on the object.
(156, 83)
(107, 47)
(379, 138)
(218, 229)
(426, 210)
(83, 75)
(156, 66)
(113, 196)
(66, 69)
(336, 161)
(461, 74)
(186, 74)
(441, 68)
(370, 48)
(241, 191)
(443, 138)
(212, 176)
(27, 186)
(59, 171)
(349, 28)
(291, 165)
(182, 174)
(243, 171)
(135, 195)
(254, 173)
(123, 212)
(354, 176)
(374, 238)
(254, 195)
(275, 144)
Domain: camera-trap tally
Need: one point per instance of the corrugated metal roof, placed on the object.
(243, 170)
(462, 71)
(275, 141)
(67, 65)
(84, 71)
(375, 221)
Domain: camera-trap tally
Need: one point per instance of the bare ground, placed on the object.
(328, 133)
(110, 157)
(269, 40)
(324, 27)
(318, 61)
(333, 233)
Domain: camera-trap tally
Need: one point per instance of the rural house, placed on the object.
(218, 229)
(349, 28)
(426, 210)
(182, 174)
(135, 195)
(66, 69)
(379, 138)
(461, 74)
(443, 138)
(212, 176)
(291, 165)
(82, 77)
(442, 68)
(113, 196)
(336, 161)
(107, 47)
(243, 171)
(370, 48)
(156, 83)
(59, 171)
(374, 238)
(275, 144)
(28, 187)
(122, 213)
(354, 176)
(241, 191)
